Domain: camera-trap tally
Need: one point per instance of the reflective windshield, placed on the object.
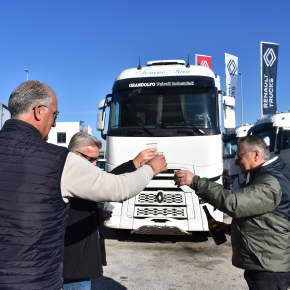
(269, 136)
(170, 107)
(230, 148)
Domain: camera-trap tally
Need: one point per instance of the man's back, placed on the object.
(32, 212)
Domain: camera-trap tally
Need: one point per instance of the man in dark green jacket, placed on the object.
(260, 229)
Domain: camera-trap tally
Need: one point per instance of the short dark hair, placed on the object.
(81, 139)
(256, 142)
(27, 95)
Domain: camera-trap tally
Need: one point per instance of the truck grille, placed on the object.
(150, 211)
(169, 198)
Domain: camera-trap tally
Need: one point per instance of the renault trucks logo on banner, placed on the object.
(203, 60)
(204, 63)
(269, 57)
(269, 65)
(232, 67)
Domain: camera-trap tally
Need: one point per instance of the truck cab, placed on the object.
(275, 130)
(178, 106)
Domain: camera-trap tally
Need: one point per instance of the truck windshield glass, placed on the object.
(268, 135)
(164, 108)
(230, 148)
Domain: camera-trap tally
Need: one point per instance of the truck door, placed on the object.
(285, 145)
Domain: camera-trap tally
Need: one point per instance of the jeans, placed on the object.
(259, 280)
(76, 284)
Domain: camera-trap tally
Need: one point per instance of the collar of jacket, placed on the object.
(14, 124)
(251, 173)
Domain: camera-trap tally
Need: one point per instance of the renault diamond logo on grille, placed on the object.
(232, 68)
(269, 57)
(204, 63)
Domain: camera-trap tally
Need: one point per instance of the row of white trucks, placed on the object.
(179, 107)
(274, 129)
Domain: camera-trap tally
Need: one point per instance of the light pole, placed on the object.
(241, 97)
(27, 73)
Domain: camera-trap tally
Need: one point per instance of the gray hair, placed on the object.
(27, 95)
(81, 139)
(255, 142)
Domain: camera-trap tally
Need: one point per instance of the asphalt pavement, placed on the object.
(141, 262)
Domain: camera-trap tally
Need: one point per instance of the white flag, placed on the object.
(231, 75)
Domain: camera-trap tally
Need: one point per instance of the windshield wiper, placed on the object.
(201, 132)
(146, 130)
(195, 129)
(143, 128)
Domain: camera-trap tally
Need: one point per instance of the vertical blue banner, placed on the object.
(269, 65)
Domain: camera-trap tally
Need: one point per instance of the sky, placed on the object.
(80, 47)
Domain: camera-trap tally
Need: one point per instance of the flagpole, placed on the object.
(261, 58)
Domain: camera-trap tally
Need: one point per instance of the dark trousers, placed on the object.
(258, 280)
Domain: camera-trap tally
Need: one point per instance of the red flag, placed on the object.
(203, 60)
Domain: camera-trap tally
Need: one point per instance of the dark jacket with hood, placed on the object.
(260, 230)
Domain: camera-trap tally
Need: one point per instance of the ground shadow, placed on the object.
(125, 236)
(106, 283)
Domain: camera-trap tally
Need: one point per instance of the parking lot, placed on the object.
(169, 263)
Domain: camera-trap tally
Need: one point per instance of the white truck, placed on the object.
(231, 174)
(177, 106)
(275, 130)
(5, 114)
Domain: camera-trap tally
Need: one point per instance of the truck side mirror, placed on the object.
(229, 101)
(229, 113)
(102, 104)
(101, 121)
(229, 118)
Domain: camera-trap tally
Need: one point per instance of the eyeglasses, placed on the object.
(91, 159)
(55, 114)
(239, 158)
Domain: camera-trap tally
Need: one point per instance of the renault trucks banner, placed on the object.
(269, 64)
(203, 60)
(231, 75)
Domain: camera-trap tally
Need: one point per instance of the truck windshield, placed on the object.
(230, 148)
(159, 108)
(269, 136)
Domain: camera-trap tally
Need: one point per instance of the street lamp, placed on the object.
(27, 73)
(241, 97)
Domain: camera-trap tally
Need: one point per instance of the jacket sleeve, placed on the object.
(84, 180)
(124, 168)
(262, 196)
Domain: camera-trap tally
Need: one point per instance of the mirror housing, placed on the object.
(229, 118)
(102, 104)
(229, 101)
(101, 121)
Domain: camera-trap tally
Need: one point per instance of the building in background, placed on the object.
(4, 114)
(63, 132)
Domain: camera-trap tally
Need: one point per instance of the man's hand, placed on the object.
(224, 228)
(158, 164)
(104, 215)
(143, 157)
(183, 177)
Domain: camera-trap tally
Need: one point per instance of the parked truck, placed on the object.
(178, 106)
(275, 130)
(231, 173)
